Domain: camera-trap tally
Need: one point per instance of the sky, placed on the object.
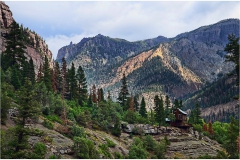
(60, 22)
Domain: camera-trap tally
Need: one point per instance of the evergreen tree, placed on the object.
(159, 110)
(136, 104)
(64, 84)
(94, 96)
(143, 111)
(109, 95)
(15, 81)
(72, 82)
(232, 48)
(197, 117)
(58, 77)
(47, 74)
(31, 73)
(29, 109)
(123, 94)
(90, 103)
(102, 95)
(82, 86)
(40, 74)
(176, 104)
(131, 104)
(99, 95)
(54, 81)
(231, 143)
(14, 53)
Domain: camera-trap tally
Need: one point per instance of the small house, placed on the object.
(180, 119)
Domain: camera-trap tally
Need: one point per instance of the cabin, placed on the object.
(180, 120)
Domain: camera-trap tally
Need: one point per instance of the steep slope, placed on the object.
(36, 46)
(177, 67)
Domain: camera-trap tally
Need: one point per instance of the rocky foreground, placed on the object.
(183, 144)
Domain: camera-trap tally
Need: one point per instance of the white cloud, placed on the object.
(62, 22)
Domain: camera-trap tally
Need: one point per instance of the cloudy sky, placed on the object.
(60, 22)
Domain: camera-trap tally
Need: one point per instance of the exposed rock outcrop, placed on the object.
(36, 48)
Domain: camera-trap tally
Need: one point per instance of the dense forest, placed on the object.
(60, 94)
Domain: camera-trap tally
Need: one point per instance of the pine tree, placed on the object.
(197, 117)
(159, 110)
(205, 127)
(131, 104)
(176, 104)
(31, 73)
(72, 83)
(94, 96)
(53, 80)
(109, 95)
(40, 74)
(58, 77)
(29, 109)
(102, 95)
(82, 86)
(136, 104)
(231, 142)
(14, 53)
(15, 81)
(99, 95)
(143, 111)
(232, 48)
(47, 74)
(123, 94)
(64, 85)
(210, 129)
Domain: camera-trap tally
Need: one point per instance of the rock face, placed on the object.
(36, 48)
(5, 15)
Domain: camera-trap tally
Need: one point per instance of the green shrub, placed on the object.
(137, 152)
(54, 118)
(48, 124)
(85, 148)
(118, 155)
(110, 143)
(160, 149)
(167, 140)
(198, 127)
(77, 131)
(149, 143)
(40, 150)
(52, 157)
(206, 156)
(105, 150)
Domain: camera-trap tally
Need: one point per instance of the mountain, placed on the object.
(36, 46)
(176, 66)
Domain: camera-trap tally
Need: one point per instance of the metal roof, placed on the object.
(166, 119)
(182, 111)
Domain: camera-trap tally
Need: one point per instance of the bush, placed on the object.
(110, 143)
(149, 143)
(54, 118)
(167, 140)
(105, 150)
(118, 155)
(40, 150)
(48, 139)
(198, 127)
(206, 156)
(77, 131)
(138, 130)
(85, 148)
(137, 152)
(160, 149)
(48, 124)
(52, 157)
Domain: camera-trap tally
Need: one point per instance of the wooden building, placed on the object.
(180, 120)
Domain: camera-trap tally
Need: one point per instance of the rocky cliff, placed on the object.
(36, 46)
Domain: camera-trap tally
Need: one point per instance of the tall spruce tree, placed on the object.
(142, 110)
(123, 94)
(29, 108)
(47, 74)
(14, 53)
(82, 86)
(159, 110)
(232, 48)
(72, 83)
(31, 72)
(57, 74)
(64, 85)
